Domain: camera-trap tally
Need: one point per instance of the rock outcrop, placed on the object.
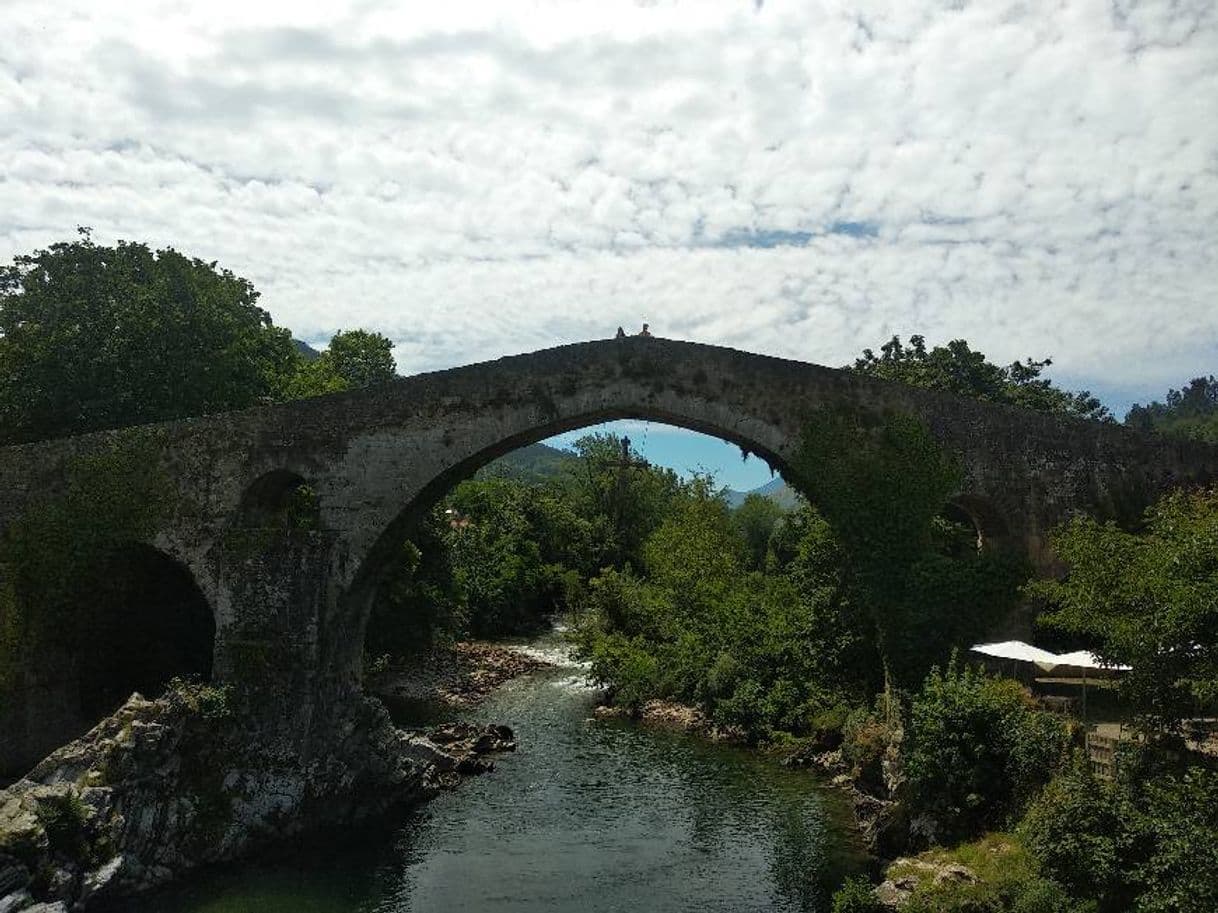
(459, 677)
(163, 787)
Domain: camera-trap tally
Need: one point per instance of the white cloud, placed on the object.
(802, 179)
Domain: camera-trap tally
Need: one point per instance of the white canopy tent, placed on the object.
(1065, 667)
(1018, 650)
(1086, 660)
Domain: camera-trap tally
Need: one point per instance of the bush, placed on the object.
(866, 737)
(1149, 845)
(1077, 830)
(856, 896)
(978, 750)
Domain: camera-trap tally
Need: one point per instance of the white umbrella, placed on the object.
(1018, 650)
(1085, 659)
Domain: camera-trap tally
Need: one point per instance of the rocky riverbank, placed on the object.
(455, 678)
(672, 715)
(878, 811)
(163, 787)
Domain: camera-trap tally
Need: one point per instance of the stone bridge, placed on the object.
(288, 611)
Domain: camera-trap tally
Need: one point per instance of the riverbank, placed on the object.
(879, 817)
(163, 788)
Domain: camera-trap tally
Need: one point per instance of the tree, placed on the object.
(360, 358)
(756, 518)
(95, 337)
(959, 369)
(629, 501)
(1191, 412)
(1148, 600)
(882, 487)
(354, 359)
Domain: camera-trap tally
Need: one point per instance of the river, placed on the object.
(585, 817)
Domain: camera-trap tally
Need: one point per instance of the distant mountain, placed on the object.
(777, 490)
(532, 463)
(307, 352)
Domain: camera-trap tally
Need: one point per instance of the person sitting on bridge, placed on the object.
(621, 334)
(645, 331)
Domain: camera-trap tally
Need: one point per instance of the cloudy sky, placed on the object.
(796, 178)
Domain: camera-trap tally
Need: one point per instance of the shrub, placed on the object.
(866, 737)
(1149, 845)
(1178, 824)
(978, 750)
(1077, 830)
(856, 896)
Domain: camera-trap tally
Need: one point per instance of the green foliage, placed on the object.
(212, 702)
(1003, 878)
(628, 503)
(769, 653)
(958, 369)
(882, 486)
(868, 737)
(856, 896)
(95, 337)
(977, 749)
(418, 605)
(63, 817)
(756, 519)
(353, 360)
(361, 358)
(1148, 844)
(1077, 829)
(1148, 600)
(57, 551)
(1191, 412)
(497, 557)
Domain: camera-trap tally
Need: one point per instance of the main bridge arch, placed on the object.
(289, 612)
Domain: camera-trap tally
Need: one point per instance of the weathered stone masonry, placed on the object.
(290, 614)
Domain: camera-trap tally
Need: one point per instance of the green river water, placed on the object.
(585, 817)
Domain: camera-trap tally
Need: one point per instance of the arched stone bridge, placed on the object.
(290, 610)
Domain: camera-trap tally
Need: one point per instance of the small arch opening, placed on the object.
(280, 499)
(148, 623)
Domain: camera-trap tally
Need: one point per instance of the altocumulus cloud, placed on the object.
(796, 178)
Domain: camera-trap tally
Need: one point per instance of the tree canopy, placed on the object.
(95, 337)
(1148, 600)
(957, 368)
(1190, 412)
(354, 359)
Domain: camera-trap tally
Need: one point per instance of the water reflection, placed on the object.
(586, 817)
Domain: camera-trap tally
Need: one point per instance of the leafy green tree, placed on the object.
(498, 561)
(361, 358)
(756, 518)
(956, 368)
(1190, 412)
(95, 337)
(768, 653)
(1146, 844)
(1148, 600)
(418, 605)
(882, 487)
(354, 359)
(628, 501)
